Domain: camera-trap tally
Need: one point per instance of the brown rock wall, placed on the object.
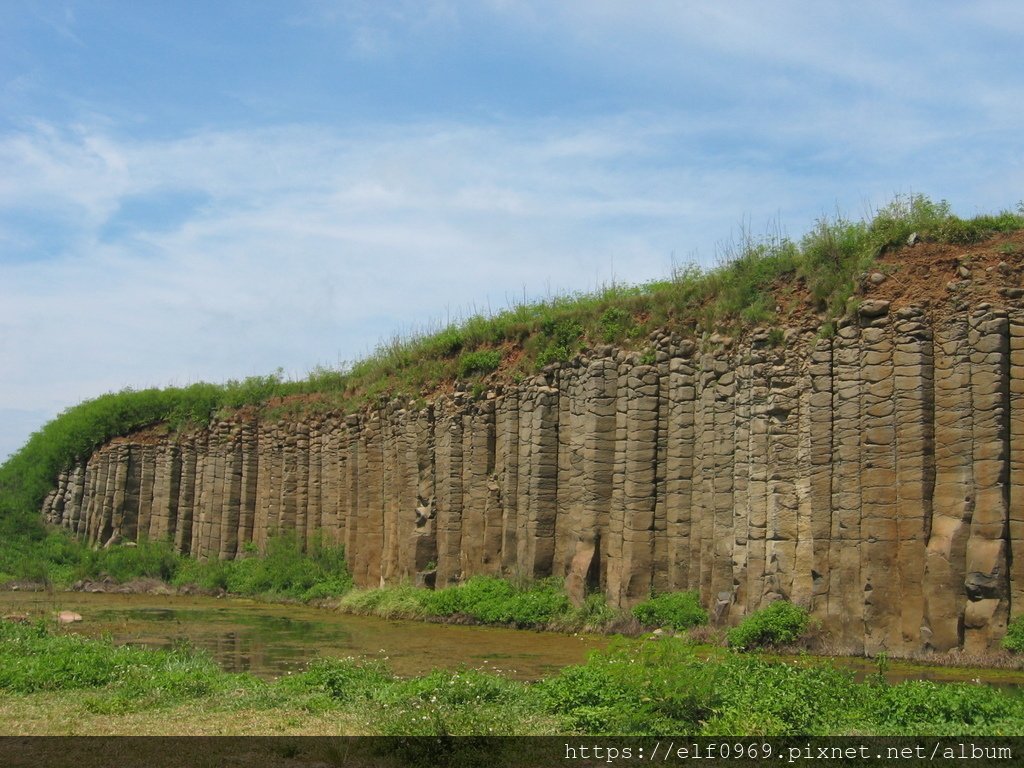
(876, 477)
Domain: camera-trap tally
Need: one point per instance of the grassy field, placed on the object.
(644, 687)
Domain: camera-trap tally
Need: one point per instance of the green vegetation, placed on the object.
(487, 600)
(678, 610)
(1014, 639)
(482, 361)
(284, 571)
(632, 688)
(780, 623)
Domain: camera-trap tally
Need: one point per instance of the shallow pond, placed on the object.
(271, 639)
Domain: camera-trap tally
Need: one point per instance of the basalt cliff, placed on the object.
(874, 474)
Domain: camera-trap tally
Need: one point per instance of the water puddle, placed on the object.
(271, 639)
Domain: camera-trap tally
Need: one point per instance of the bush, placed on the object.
(760, 697)
(678, 610)
(480, 362)
(495, 601)
(1014, 639)
(634, 689)
(613, 324)
(778, 624)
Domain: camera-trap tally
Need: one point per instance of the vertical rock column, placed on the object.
(953, 499)
(846, 596)
(370, 538)
(678, 468)
(783, 471)
(639, 491)
(230, 540)
(425, 533)
(314, 501)
(750, 558)
(915, 466)
(809, 487)
(479, 554)
(597, 398)
(571, 418)
(166, 483)
(820, 417)
(542, 503)
(350, 491)
(507, 460)
(186, 498)
(879, 524)
(702, 540)
(146, 456)
(660, 579)
(987, 564)
(723, 533)
(1016, 490)
(394, 484)
(448, 437)
(248, 484)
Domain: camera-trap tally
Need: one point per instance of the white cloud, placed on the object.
(305, 244)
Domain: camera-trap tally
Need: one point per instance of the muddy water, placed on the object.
(270, 640)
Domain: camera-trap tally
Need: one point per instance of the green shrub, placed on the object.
(496, 601)
(445, 343)
(146, 559)
(614, 323)
(1014, 638)
(761, 697)
(634, 689)
(778, 624)
(914, 705)
(678, 610)
(479, 362)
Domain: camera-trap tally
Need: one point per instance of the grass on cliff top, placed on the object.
(692, 301)
(649, 687)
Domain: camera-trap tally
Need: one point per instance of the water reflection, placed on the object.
(271, 640)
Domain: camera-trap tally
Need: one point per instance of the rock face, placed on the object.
(876, 477)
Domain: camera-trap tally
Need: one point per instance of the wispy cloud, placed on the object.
(524, 147)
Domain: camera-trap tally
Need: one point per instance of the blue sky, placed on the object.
(202, 191)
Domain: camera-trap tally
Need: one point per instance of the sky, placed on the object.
(202, 191)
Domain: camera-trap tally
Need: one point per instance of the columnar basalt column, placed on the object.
(448, 438)
(879, 527)
(953, 497)
(679, 469)
(846, 589)
(1016, 483)
(915, 466)
(986, 566)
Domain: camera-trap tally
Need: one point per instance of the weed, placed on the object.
(678, 610)
(614, 323)
(1013, 640)
(778, 624)
(479, 362)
